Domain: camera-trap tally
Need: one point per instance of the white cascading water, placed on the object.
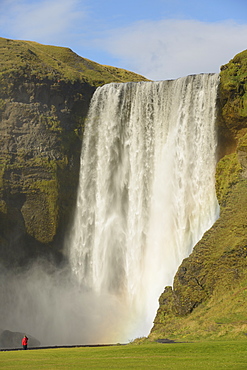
(146, 194)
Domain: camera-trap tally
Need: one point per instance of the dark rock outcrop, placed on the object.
(39, 156)
(10, 339)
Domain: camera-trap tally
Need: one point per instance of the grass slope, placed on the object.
(31, 59)
(182, 356)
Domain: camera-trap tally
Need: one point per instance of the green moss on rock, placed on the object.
(40, 210)
(227, 174)
(233, 91)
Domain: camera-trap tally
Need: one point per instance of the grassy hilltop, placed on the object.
(30, 59)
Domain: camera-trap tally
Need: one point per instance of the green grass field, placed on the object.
(189, 356)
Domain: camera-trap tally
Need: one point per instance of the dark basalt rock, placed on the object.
(10, 339)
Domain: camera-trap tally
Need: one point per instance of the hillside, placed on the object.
(31, 60)
(209, 295)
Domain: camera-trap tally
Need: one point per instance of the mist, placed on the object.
(54, 309)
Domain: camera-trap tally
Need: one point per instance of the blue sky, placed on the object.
(160, 39)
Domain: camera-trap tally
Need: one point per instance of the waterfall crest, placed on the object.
(146, 191)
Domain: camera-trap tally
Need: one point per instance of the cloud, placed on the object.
(161, 49)
(168, 49)
(43, 21)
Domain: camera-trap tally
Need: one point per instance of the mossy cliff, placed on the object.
(209, 295)
(44, 98)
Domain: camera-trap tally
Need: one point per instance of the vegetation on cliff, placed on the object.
(209, 294)
(44, 98)
(233, 92)
(31, 60)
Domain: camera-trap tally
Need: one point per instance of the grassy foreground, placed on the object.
(201, 355)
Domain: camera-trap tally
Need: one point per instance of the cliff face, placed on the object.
(209, 294)
(44, 97)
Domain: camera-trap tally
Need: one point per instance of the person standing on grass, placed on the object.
(24, 342)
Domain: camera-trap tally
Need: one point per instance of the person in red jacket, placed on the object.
(24, 342)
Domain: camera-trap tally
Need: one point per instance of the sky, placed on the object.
(159, 39)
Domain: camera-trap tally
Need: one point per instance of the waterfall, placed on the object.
(146, 193)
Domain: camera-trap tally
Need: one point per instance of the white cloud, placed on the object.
(164, 49)
(173, 48)
(44, 21)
